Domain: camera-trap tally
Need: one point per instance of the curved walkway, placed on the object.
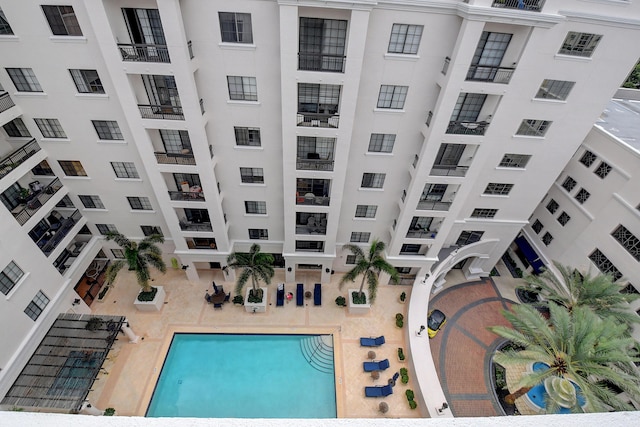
(462, 349)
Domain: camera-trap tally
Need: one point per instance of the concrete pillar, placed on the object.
(133, 338)
(88, 409)
(192, 272)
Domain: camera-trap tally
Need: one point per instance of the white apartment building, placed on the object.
(436, 126)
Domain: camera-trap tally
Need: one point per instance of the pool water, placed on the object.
(245, 376)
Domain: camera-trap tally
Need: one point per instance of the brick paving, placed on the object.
(462, 349)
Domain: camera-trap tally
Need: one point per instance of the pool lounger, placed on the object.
(280, 295)
(375, 366)
(372, 342)
(300, 295)
(317, 294)
(378, 391)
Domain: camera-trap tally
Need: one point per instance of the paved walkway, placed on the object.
(462, 350)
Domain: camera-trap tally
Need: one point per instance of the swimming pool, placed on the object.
(246, 376)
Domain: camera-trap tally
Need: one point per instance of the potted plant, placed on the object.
(401, 356)
(257, 266)
(341, 301)
(24, 194)
(410, 398)
(404, 375)
(93, 324)
(102, 295)
(399, 320)
(403, 297)
(109, 412)
(238, 300)
(174, 264)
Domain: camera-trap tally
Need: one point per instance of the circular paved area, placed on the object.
(462, 350)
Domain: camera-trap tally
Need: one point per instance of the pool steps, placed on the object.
(318, 351)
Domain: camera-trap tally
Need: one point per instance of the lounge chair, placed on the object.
(393, 380)
(378, 391)
(375, 366)
(300, 295)
(317, 294)
(280, 295)
(372, 342)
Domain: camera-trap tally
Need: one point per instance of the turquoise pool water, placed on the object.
(245, 376)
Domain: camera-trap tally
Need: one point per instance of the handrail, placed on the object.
(5, 102)
(429, 205)
(48, 246)
(191, 196)
(175, 158)
(467, 127)
(445, 170)
(33, 205)
(314, 164)
(317, 120)
(321, 62)
(485, 73)
(166, 112)
(144, 52)
(528, 5)
(17, 157)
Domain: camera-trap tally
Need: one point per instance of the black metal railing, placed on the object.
(429, 205)
(26, 211)
(175, 158)
(194, 226)
(446, 170)
(314, 165)
(484, 73)
(421, 234)
(407, 279)
(529, 5)
(144, 52)
(318, 120)
(467, 128)
(165, 112)
(308, 229)
(321, 62)
(52, 238)
(305, 199)
(17, 157)
(191, 196)
(5, 102)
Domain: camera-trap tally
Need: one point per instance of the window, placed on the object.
(392, 97)
(235, 27)
(24, 80)
(256, 208)
(484, 213)
(628, 241)
(366, 211)
(252, 175)
(629, 289)
(176, 141)
(409, 248)
(531, 127)
(150, 230)
(405, 38)
(242, 88)
(554, 89)
(569, 184)
(373, 180)
(37, 305)
(72, 168)
(564, 218)
(87, 81)
(579, 44)
(125, 170)
(118, 253)
(582, 195)
(514, 161)
(140, 203)
(309, 246)
(62, 20)
(381, 143)
(322, 44)
(552, 206)
(258, 234)
(351, 259)
(50, 128)
(604, 265)
(247, 136)
(91, 202)
(16, 128)
(105, 229)
(318, 100)
(537, 226)
(547, 239)
(5, 28)
(499, 189)
(107, 130)
(602, 170)
(588, 158)
(9, 277)
(359, 237)
(468, 237)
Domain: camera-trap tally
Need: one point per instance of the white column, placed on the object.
(133, 338)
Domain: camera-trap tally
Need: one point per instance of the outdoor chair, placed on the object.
(300, 295)
(317, 294)
(378, 391)
(217, 305)
(227, 297)
(375, 366)
(372, 342)
(280, 295)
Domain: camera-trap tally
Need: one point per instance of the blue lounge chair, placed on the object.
(393, 380)
(375, 366)
(317, 294)
(372, 342)
(378, 391)
(280, 296)
(300, 295)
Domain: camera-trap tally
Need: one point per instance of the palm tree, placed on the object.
(138, 257)
(255, 265)
(578, 346)
(369, 265)
(599, 293)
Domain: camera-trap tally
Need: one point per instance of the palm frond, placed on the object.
(112, 271)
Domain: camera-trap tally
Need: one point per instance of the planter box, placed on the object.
(256, 307)
(155, 305)
(358, 308)
(104, 297)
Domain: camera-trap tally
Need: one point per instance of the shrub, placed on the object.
(255, 296)
(403, 296)
(93, 324)
(404, 375)
(238, 300)
(409, 394)
(148, 296)
(109, 412)
(413, 404)
(174, 263)
(103, 292)
(358, 298)
(399, 320)
(403, 371)
(400, 353)
(341, 301)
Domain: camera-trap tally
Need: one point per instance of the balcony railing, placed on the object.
(467, 128)
(5, 102)
(530, 5)
(421, 234)
(321, 62)
(144, 52)
(445, 170)
(429, 205)
(407, 279)
(311, 199)
(175, 158)
(165, 112)
(309, 229)
(18, 157)
(314, 165)
(483, 73)
(50, 239)
(318, 120)
(191, 196)
(195, 226)
(25, 211)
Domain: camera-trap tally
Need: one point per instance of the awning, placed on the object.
(530, 254)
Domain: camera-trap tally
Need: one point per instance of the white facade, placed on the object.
(316, 107)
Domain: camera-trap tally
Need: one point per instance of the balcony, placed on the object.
(314, 164)
(321, 62)
(195, 226)
(5, 102)
(311, 223)
(428, 205)
(317, 120)
(18, 157)
(196, 243)
(23, 212)
(483, 73)
(528, 5)
(144, 52)
(175, 158)
(421, 234)
(191, 196)
(446, 170)
(162, 112)
(467, 128)
(311, 199)
(58, 229)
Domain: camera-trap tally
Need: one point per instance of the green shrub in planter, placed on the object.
(238, 300)
(404, 375)
(93, 324)
(341, 301)
(109, 412)
(174, 263)
(403, 296)
(400, 353)
(409, 394)
(147, 296)
(358, 298)
(413, 404)
(399, 320)
(255, 296)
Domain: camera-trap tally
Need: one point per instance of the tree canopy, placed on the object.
(138, 257)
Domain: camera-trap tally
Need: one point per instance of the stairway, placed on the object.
(318, 351)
